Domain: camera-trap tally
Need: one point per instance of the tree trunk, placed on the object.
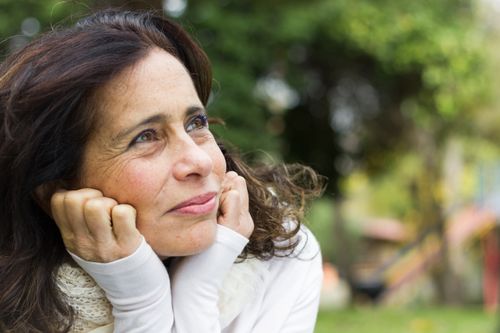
(342, 247)
(431, 207)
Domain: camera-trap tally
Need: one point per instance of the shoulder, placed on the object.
(304, 260)
(306, 244)
(293, 283)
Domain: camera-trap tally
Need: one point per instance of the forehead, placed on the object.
(156, 83)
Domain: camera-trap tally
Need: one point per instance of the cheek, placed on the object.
(136, 183)
(133, 185)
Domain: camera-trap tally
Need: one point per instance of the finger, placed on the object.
(240, 185)
(237, 182)
(230, 209)
(227, 183)
(124, 227)
(97, 212)
(73, 203)
(231, 175)
(58, 211)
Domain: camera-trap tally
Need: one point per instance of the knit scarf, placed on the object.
(94, 312)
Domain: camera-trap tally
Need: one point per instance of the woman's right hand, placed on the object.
(234, 209)
(94, 227)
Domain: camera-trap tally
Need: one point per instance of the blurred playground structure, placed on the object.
(392, 273)
(395, 265)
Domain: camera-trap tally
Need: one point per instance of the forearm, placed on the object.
(138, 288)
(196, 281)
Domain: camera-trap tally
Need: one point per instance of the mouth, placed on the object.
(198, 205)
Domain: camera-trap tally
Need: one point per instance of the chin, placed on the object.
(192, 242)
(201, 239)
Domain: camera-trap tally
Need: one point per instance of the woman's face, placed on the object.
(152, 149)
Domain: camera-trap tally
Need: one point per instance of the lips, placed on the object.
(201, 204)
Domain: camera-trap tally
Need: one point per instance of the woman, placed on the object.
(107, 161)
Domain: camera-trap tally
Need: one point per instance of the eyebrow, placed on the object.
(155, 119)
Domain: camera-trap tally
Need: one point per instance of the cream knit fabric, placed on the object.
(87, 299)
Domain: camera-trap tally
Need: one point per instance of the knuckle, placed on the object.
(89, 192)
(77, 197)
(100, 203)
(233, 191)
(57, 197)
(123, 210)
(242, 181)
(233, 194)
(57, 200)
(93, 205)
(72, 198)
(231, 175)
(109, 202)
(249, 227)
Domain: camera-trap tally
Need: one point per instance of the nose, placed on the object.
(192, 160)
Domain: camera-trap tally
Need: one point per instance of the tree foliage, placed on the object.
(362, 77)
(371, 76)
(387, 69)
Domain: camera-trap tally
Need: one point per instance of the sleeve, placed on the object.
(138, 288)
(290, 299)
(302, 317)
(196, 281)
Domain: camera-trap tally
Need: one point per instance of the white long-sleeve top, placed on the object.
(210, 293)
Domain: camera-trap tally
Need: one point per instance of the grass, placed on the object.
(392, 320)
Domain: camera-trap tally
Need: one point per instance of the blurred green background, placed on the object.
(395, 102)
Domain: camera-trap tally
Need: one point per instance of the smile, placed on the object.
(199, 205)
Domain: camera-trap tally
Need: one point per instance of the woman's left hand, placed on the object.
(234, 213)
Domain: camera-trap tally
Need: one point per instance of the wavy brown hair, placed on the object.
(46, 116)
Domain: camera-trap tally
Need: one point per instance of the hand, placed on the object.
(94, 227)
(234, 212)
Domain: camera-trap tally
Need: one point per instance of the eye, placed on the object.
(197, 122)
(145, 136)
